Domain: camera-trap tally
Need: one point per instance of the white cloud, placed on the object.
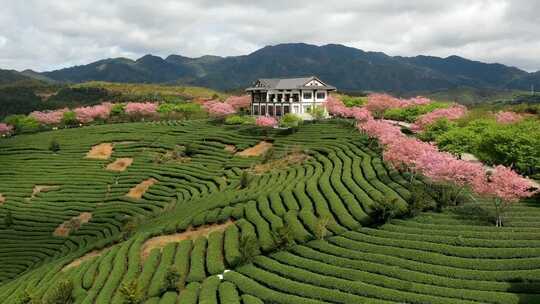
(46, 35)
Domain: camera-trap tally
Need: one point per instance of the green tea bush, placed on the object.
(62, 293)
(240, 120)
(410, 114)
(290, 120)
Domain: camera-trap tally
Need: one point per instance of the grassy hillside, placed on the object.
(165, 91)
(292, 225)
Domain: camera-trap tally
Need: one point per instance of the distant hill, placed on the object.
(9, 77)
(349, 69)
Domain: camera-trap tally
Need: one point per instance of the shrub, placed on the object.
(70, 118)
(61, 293)
(318, 112)
(117, 109)
(22, 123)
(248, 247)
(131, 293)
(171, 279)
(240, 120)
(8, 220)
(434, 130)
(283, 237)
(321, 227)
(385, 210)
(54, 146)
(245, 179)
(290, 120)
(448, 194)
(353, 101)
(410, 114)
(420, 200)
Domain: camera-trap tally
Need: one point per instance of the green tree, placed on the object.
(131, 292)
(22, 123)
(385, 210)
(8, 220)
(321, 227)
(290, 120)
(70, 119)
(245, 179)
(172, 279)
(54, 146)
(283, 237)
(436, 129)
(249, 248)
(62, 293)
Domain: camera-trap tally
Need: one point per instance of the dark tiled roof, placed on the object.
(288, 84)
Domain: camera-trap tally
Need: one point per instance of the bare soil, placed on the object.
(138, 191)
(84, 258)
(120, 164)
(43, 188)
(283, 163)
(2, 199)
(230, 148)
(101, 151)
(72, 224)
(190, 234)
(256, 150)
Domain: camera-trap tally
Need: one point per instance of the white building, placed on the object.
(279, 96)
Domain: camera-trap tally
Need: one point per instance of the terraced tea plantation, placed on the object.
(196, 212)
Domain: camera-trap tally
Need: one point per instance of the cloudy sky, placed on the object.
(45, 35)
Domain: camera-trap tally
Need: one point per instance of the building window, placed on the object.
(278, 110)
(255, 110)
(307, 95)
(296, 97)
(321, 95)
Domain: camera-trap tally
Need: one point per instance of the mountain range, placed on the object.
(347, 68)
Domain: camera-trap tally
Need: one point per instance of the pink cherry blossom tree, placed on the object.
(49, 117)
(266, 121)
(504, 186)
(219, 110)
(335, 107)
(417, 101)
(453, 113)
(508, 117)
(5, 129)
(361, 114)
(378, 103)
(239, 102)
(137, 110)
(385, 132)
(91, 113)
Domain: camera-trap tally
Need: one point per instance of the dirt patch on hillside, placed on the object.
(120, 164)
(72, 224)
(126, 142)
(101, 151)
(84, 258)
(230, 148)
(190, 234)
(138, 191)
(258, 149)
(2, 199)
(43, 188)
(282, 163)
